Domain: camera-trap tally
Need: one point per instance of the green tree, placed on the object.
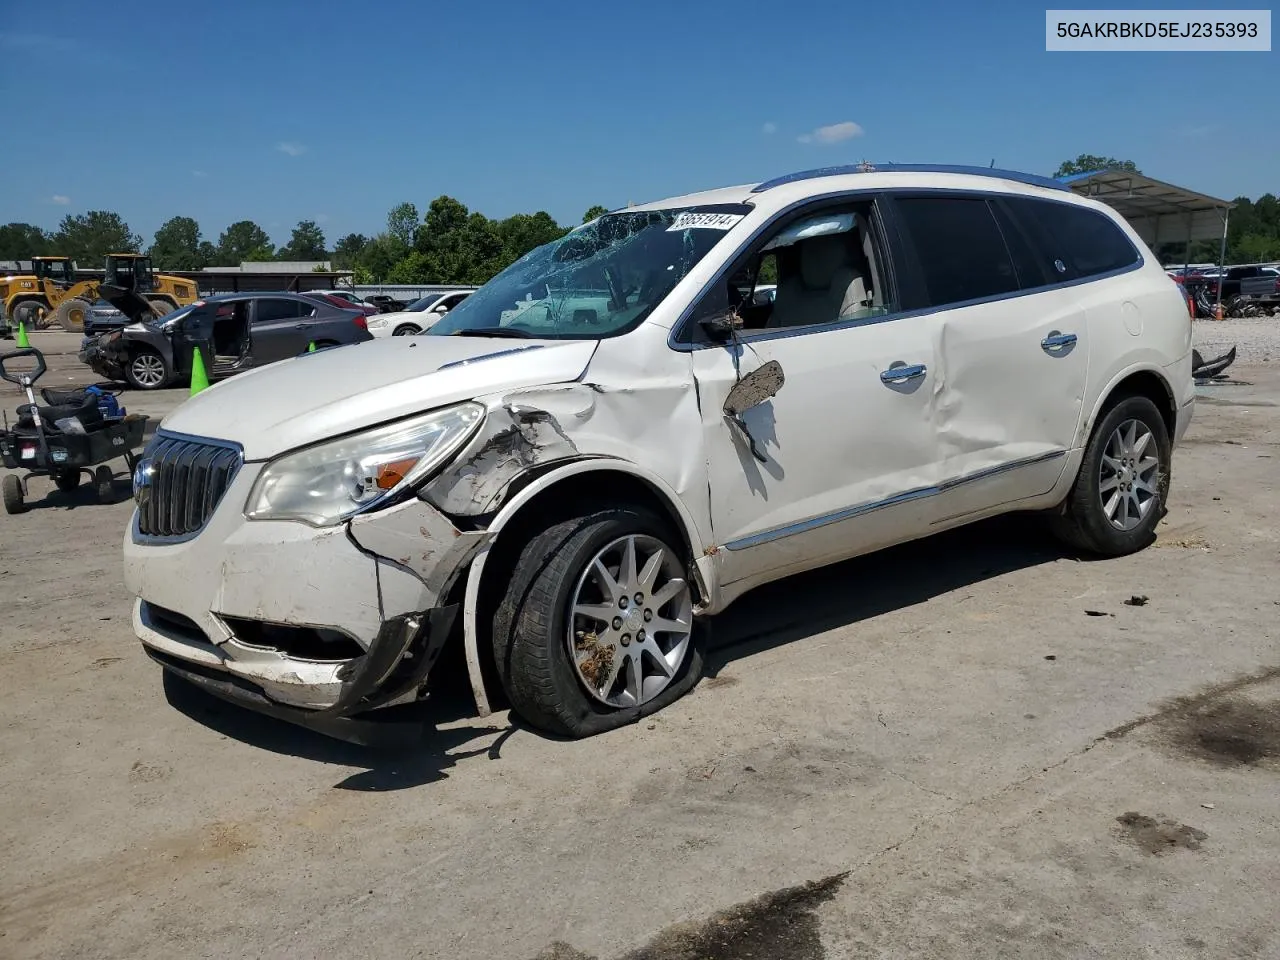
(1087, 163)
(89, 237)
(243, 241)
(177, 245)
(402, 223)
(379, 256)
(22, 241)
(348, 251)
(524, 232)
(307, 243)
(593, 212)
(207, 253)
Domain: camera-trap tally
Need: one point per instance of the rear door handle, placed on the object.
(903, 374)
(1056, 341)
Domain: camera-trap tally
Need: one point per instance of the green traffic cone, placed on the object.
(199, 378)
(24, 343)
(311, 347)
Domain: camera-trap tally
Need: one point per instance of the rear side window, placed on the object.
(961, 251)
(1086, 242)
(268, 310)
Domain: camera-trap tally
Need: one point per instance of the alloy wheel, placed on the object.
(1129, 475)
(630, 621)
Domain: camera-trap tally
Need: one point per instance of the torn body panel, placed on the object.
(641, 397)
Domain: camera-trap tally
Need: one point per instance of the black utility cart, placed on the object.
(72, 435)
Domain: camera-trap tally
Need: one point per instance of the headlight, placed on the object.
(325, 484)
(377, 322)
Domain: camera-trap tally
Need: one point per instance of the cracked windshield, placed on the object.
(600, 280)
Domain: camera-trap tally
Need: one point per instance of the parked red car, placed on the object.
(343, 301)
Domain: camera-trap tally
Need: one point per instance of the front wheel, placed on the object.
(11, 487)
(147, 370)
(405, 330)
(1121, 490)
(29, 313)
(596, 627)
(104, 484)
(72, 314)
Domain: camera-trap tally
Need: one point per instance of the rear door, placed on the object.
(280, 328)
(1012, 348)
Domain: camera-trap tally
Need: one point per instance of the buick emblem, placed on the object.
(143, 475)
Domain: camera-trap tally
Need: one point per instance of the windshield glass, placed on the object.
(600, 280)
(419, 305)
(171, 320)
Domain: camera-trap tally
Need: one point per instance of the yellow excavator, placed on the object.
(52, 296)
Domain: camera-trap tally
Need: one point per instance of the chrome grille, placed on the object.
(180, 483)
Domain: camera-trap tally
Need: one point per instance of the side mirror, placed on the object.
(761, 384)
(721, 326)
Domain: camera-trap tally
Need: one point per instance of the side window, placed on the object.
(814, 269)
(267, 310)
(959, 246)
(1086, 242)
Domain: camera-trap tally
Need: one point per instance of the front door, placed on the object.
(848, 444)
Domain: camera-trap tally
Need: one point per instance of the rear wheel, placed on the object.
(405, 330)
(72, 314)
(1120, 492)
(11, 487)
(67, 480)
(147, 370)
(103, 484)
(596, 626)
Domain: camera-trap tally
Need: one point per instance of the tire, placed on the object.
(11, 488)
(544, 678)
(147, 370)
(104, 484)
(161, 307)
(29, 313)
(406, 330)
(1084, 521)
(67, 480)
(71, 314)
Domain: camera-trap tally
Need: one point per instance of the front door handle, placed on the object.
(302, 326)
(1056, 341)
(903, 374)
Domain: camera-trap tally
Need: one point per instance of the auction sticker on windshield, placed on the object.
(704, 221)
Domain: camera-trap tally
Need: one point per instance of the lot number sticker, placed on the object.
(704, 221)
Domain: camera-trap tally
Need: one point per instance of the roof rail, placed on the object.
(1027, 178)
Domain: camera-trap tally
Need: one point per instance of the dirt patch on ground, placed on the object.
(1227, 733)
(1158, 836)
(777, 926)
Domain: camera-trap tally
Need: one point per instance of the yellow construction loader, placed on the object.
(52, 296)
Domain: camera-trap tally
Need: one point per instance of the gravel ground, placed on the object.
(1256, 341)
(973, 747)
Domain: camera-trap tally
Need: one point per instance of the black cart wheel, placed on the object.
(67, 480)
(11, 487)
(103, 484)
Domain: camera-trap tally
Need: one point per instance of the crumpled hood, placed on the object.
(336, 391)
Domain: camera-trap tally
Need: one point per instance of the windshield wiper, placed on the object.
(493, 332)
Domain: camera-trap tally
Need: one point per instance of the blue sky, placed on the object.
(279, 110)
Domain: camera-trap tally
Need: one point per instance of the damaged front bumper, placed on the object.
(309, 624)
(104, 355)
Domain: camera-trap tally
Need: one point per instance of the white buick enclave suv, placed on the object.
(616, 437)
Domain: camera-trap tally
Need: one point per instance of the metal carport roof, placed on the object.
(1159, 212)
